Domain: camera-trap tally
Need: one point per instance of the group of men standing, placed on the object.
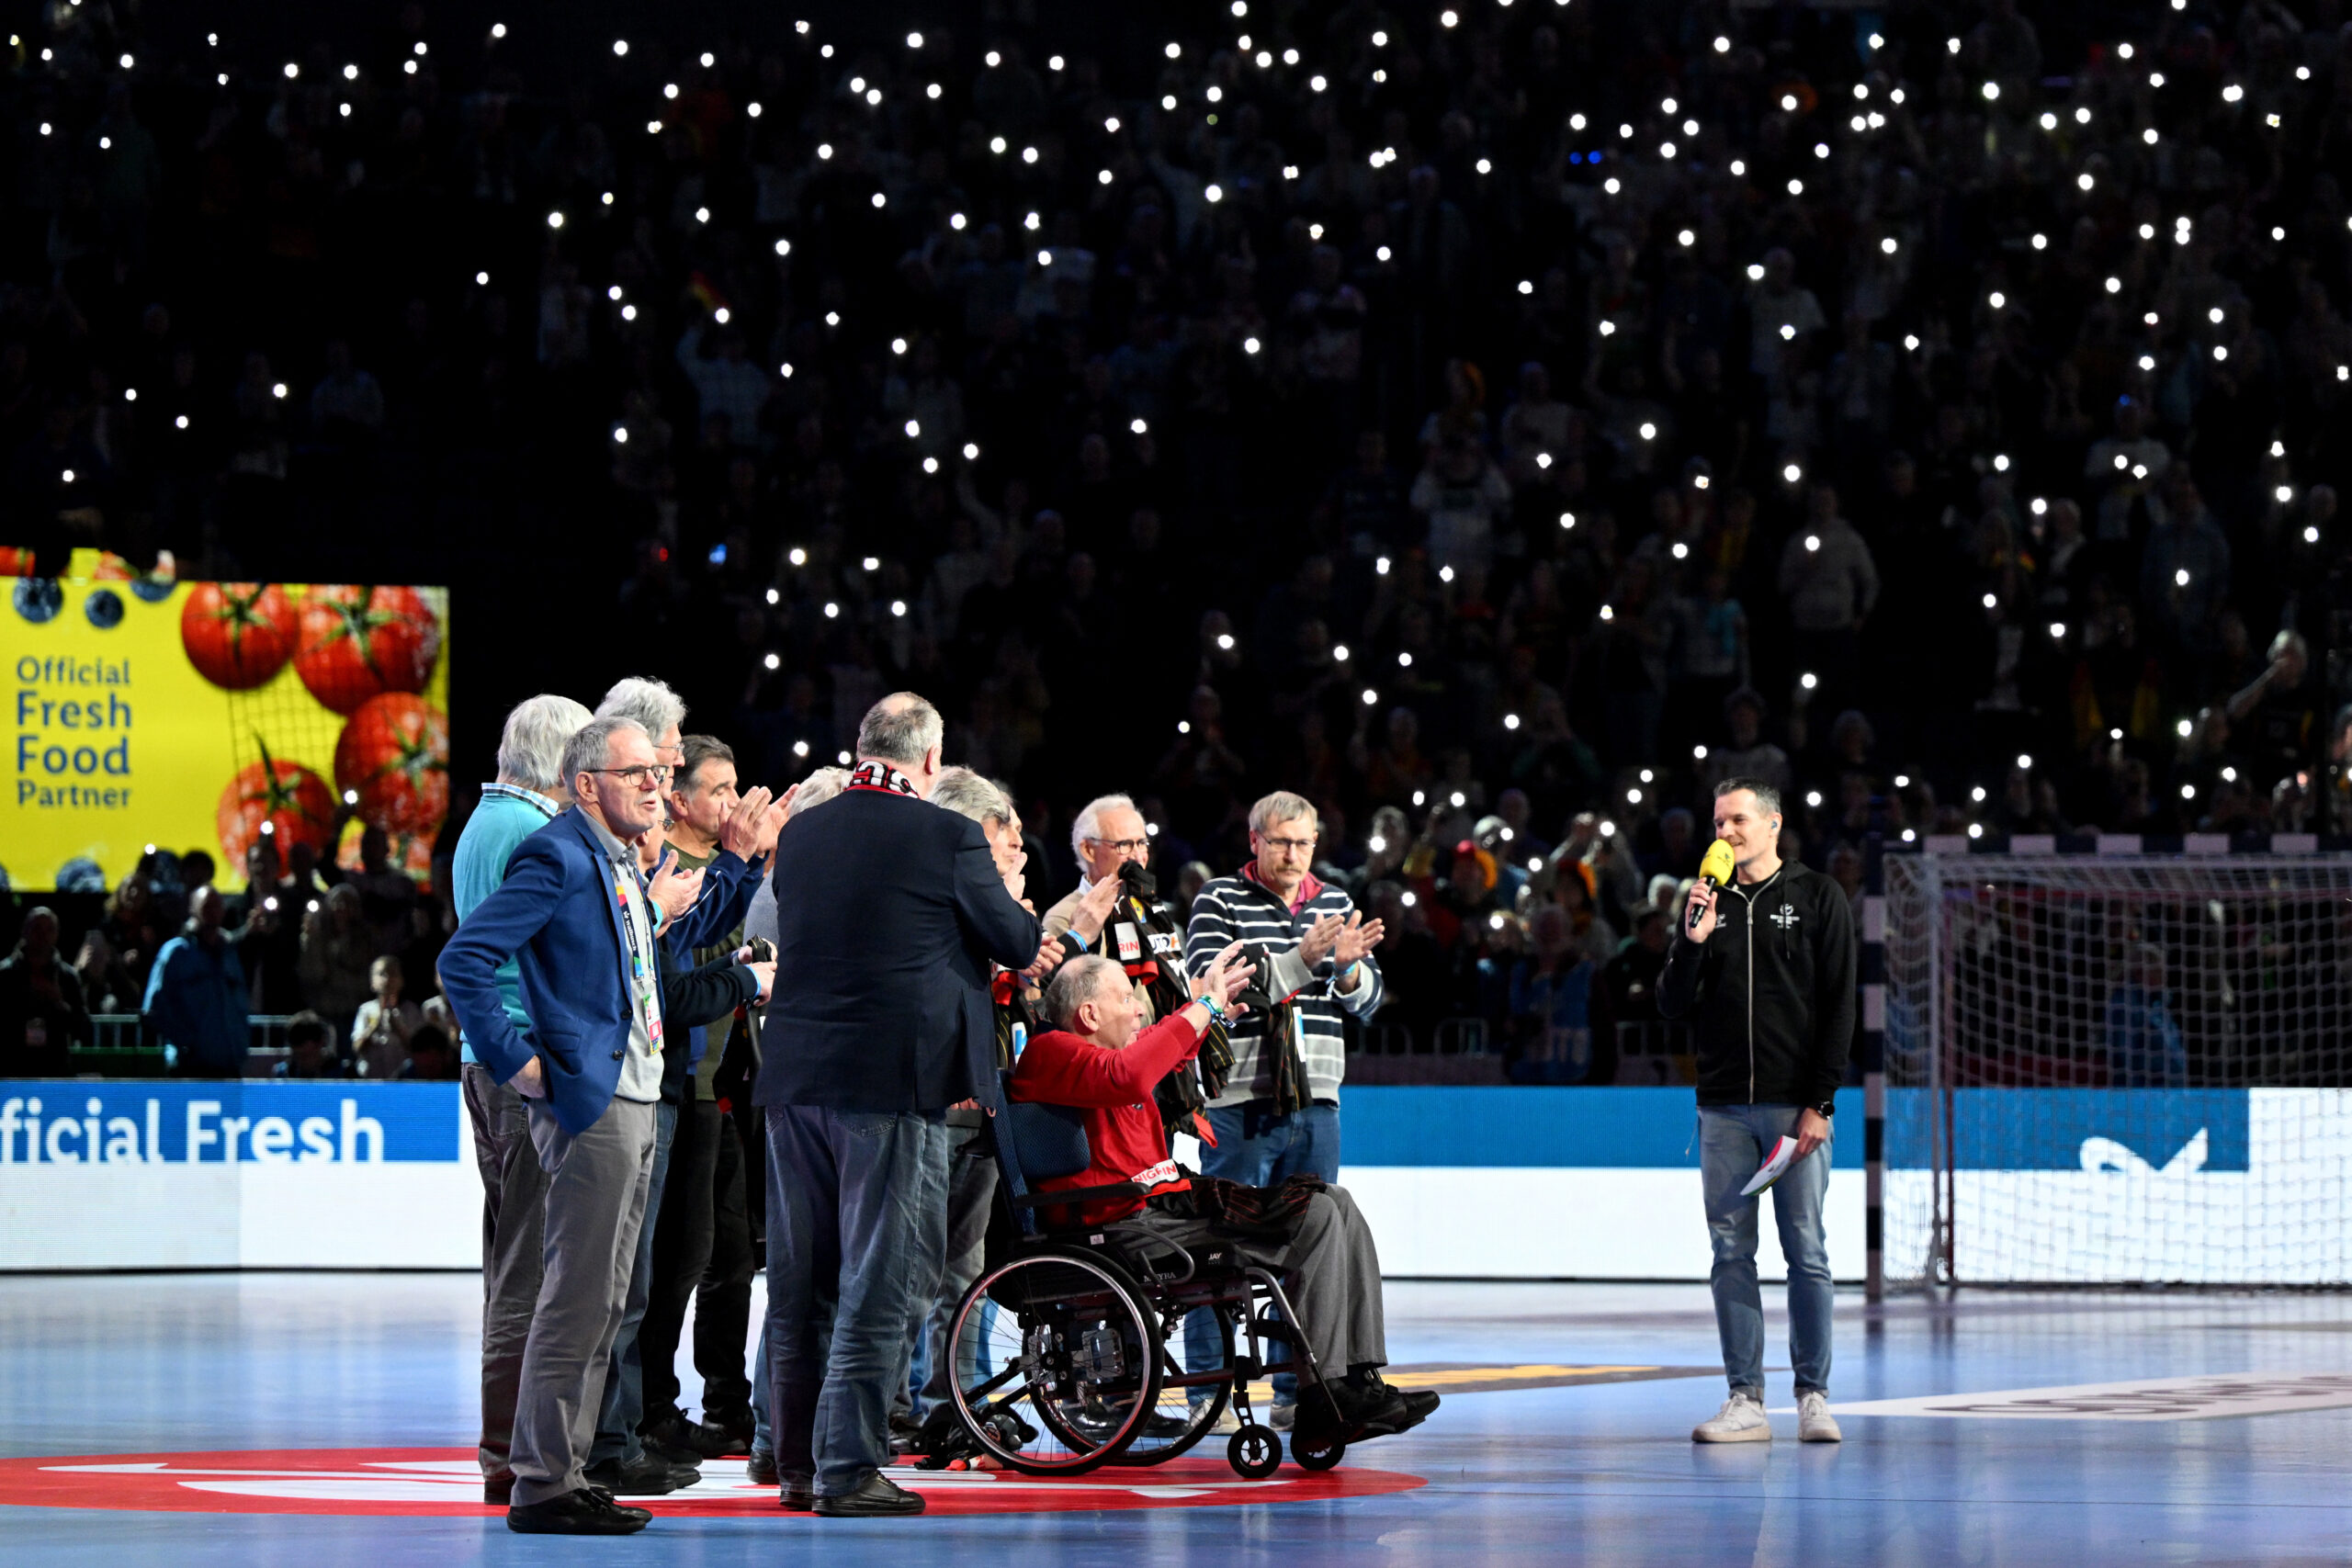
(609, 976)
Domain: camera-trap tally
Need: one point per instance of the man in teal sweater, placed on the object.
(528, 793)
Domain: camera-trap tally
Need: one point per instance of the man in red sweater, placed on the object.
(1099, 1056)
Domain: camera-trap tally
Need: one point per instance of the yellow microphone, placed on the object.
(1714, 866)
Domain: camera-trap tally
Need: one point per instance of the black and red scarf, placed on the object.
(881, 777)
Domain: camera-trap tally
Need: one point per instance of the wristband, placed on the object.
(1216, 1008)
(1351, 969)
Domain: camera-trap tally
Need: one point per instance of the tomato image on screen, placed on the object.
(394, 754)
(294, 801)
(358, 643)
(238, 635)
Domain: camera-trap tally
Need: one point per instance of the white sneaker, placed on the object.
(1741, 1420)
(1814, 1424)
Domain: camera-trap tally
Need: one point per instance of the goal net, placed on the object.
(2119, 1069)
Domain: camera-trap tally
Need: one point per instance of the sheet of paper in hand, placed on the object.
(1776, 1165)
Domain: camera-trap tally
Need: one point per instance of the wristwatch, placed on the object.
(1827, 1107)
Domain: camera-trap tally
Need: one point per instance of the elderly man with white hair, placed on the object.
(529, 791)
(745, 836)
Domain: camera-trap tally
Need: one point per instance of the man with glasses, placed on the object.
(1109, 833)
(575, 915)
(1278, 1112)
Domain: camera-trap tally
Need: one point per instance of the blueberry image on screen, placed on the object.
(103, 606)
(39, 599)
(153, 590)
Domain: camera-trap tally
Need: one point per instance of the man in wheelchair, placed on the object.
(1097, 1056)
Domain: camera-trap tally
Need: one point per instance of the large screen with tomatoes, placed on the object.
(145, 713)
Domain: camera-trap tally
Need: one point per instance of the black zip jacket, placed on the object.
(1770, 993)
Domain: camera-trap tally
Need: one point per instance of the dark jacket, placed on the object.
(1770, 993)
(196, 1003)
(555, 915)
(692, 997)
(889, 911)
(36, 1030)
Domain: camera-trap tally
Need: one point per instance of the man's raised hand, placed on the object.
(672, 888)
(1357, 938)
(1095, 908)
(1224, 979)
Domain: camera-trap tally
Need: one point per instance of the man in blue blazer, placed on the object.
(888, 913)
(576, 916)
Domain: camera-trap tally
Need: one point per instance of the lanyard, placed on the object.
(643, 975)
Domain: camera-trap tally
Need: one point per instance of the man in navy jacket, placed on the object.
(576, 916)
(889, 911)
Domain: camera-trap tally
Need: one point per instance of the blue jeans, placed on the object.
(858, 1235)
(1259, 1148)
(623, 1402)
(1733, 1141)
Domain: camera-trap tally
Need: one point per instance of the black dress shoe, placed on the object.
(876, 1498)
(799, 1492)
(647, 1475)
(575, 1513)
(498, 1490)
(760, 1469)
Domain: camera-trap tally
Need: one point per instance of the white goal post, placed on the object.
(2117, 1068)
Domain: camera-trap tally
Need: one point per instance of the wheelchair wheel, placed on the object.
(1184, 1414)
(1056, 1362)
(1255, 1453)
(1315, 1450)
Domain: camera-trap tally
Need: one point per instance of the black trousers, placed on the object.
(681, 1238)
(723, 1302)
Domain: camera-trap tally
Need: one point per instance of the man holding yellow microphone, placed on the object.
(1763, 965)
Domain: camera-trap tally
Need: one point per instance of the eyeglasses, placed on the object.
(635, 777)
(1304, 846)
(1125, 846)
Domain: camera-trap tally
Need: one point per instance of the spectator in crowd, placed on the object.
(433, 1058)
(42, 1014)
(528, 792)
(1551, 1005)
(310, 1049)
(381, 1030)
(196, 995)
(131, 930)
(2145, 1049)
(571, 912)
(338, 953)
(106, 982)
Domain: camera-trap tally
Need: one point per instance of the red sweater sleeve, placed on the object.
(1061, 1069)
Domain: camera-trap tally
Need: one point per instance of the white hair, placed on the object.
(591, 746)
(817, 788)
(1089, 820)
(530, 748)
(966, 794)
(651, 703)
(1073, 986)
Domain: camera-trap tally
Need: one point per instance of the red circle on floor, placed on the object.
(447, 1482)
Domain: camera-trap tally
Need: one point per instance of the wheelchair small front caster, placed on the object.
(1255, 1453)
(1315, 1450)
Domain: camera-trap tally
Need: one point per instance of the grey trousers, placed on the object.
(1330, 1267)
(971, 1195)
(595, 1204)
(513, 1200)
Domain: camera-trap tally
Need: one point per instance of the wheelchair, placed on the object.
(1069, 1348)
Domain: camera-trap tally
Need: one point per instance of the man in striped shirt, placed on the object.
(1280, 1113)
(1320, 950)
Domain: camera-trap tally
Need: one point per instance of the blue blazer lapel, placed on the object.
(599, 874)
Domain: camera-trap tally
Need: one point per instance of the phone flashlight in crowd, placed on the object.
(719, 555)
(269, 903)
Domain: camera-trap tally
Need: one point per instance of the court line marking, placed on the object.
(2201, 1398)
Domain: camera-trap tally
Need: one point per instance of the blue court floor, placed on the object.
(99, 1366)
